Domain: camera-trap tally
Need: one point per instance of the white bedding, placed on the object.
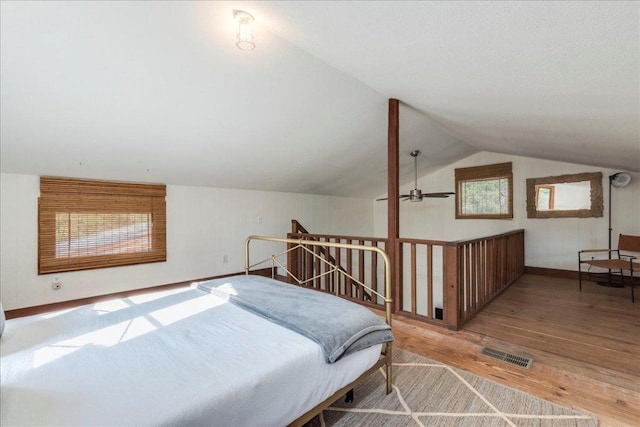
(170, 358)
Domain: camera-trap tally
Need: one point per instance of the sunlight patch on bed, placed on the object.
(143, 298)
(183, 310)
(55, 313)
(227, 289)
(105, 337)
(105, 307)
(42, 356)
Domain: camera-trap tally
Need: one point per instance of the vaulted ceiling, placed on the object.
(158, 91)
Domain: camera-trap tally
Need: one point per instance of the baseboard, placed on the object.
(572, 274)
(38, 309)
(553, 272)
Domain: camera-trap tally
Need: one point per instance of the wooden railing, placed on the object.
(421, 295)
(363, 267)
(477, 271)
(443, 283)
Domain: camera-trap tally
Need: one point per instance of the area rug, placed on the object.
(428, 393)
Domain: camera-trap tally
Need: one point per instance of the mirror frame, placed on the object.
(597, 203)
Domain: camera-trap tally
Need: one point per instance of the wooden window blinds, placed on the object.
(485, 192)
(85, 224)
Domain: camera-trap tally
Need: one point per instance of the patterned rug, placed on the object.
(428, 393)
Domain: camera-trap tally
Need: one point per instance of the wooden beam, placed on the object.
(393, 228)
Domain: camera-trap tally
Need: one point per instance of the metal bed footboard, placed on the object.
(300, 244)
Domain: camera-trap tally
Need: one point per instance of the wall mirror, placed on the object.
(565, 196)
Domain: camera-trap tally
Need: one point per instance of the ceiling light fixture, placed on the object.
(245, 36)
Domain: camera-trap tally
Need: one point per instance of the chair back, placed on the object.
(629, 243)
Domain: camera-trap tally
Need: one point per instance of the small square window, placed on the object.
(484, 192)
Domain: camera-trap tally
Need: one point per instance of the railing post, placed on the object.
(292, 259)
(297, 260)
(451, 297)
(292, 262)
(398, 279)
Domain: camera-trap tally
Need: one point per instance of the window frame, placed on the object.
(484, 173)
(597, 205)
(73, 196)
(552, 196)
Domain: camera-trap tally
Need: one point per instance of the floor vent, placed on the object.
(514, 359)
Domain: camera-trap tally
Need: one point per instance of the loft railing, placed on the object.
(422, 294)
(448, 283)
(365, 268)
(443, 283)
(484, 268)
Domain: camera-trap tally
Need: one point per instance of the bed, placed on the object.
(201, 355)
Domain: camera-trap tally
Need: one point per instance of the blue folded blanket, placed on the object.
(339, 326)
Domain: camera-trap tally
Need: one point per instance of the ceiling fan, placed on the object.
(416, 195)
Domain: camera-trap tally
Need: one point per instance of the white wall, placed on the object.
(549, 243)
(203, 224)
(206, 223)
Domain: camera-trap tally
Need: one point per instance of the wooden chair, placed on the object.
(625, 261)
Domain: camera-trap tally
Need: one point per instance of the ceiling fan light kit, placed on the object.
(416, 194)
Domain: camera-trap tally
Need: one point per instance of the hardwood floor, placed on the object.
(585, 345)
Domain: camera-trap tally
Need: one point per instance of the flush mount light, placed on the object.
(245, 37)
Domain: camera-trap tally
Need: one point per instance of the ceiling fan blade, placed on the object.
(404, 195)
(384, 198)
(442, 195)
(407, 198)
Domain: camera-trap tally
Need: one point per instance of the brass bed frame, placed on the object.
(305, 245)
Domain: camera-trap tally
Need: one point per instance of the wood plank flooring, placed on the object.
(585, 345)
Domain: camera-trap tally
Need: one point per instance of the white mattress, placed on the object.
(179, 358)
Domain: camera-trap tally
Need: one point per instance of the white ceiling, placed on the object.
(157, 91)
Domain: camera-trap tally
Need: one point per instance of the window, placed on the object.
(484, 192)
(545, 197)
(84, 224)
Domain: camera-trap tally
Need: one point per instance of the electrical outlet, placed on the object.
(225, 258)
(56, 284)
